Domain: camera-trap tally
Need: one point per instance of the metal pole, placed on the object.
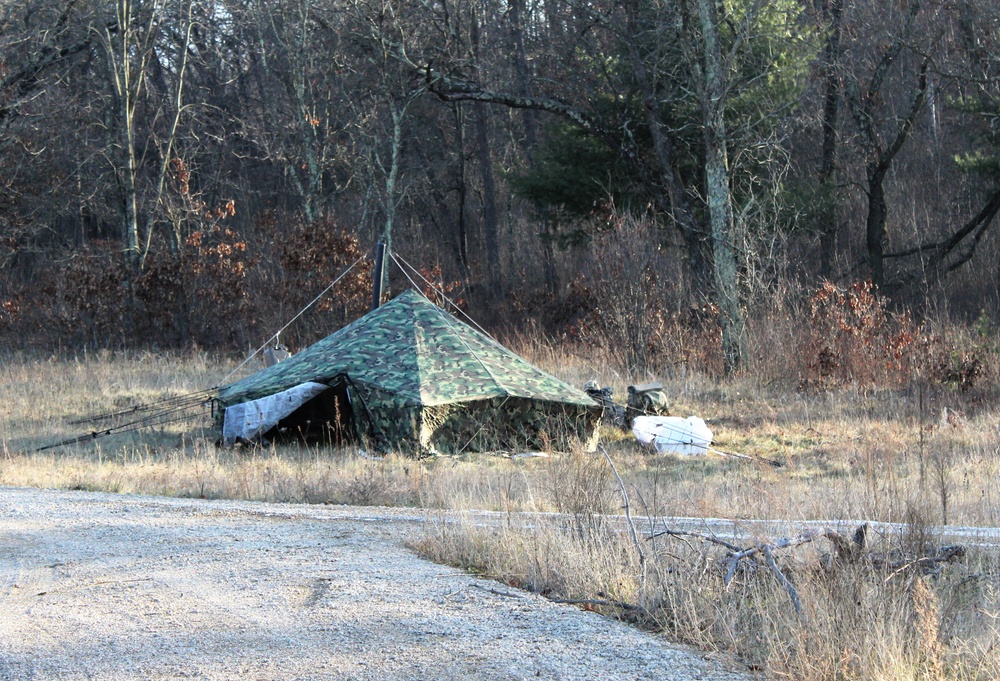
(378, 274)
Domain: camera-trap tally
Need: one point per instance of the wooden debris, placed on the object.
(853, 550)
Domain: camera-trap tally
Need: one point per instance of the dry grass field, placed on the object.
(926, 455)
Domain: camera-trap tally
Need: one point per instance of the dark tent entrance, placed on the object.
(315, 413)
(327, 418)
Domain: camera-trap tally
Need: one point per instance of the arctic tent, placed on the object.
(410, 377)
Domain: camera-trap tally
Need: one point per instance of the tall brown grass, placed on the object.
(859, 620)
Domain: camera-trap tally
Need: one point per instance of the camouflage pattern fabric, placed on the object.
(646, 400)
(429, 382)
(650, 400)
(497, 424)
(512, 424)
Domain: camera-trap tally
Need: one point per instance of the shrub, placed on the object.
(852, 338)
(310, 256)
(86, 299)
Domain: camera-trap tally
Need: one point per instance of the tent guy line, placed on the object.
(164, 406)
(456, 385)
(291, 321)
(179, 404)
(178, 415)
(398, 259)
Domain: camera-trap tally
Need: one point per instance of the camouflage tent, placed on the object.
(409, 376)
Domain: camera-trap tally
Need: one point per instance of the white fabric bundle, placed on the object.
(673, 434)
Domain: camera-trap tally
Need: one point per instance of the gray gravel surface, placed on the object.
(100, 586)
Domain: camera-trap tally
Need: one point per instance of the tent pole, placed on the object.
(378, 274)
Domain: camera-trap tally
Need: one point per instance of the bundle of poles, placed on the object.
(160, 412)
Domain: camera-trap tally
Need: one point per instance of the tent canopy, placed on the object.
(427, 380)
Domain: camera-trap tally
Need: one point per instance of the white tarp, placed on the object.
(250, 419)
(673, 434)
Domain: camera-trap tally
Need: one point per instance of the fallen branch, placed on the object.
(628, 513)
(596, 602)
(767, 547)
(784, 581)
(711, 539)
(846, 550)
(495, 592)
(926, 564)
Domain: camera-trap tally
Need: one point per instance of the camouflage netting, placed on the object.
(421, 380)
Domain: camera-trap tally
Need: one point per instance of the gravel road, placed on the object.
(101, 586)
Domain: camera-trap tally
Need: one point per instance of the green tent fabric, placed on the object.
(421, 380)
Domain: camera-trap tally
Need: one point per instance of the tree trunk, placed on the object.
(462, 231)
(523, 75)
(875, 224)
(833, 11)
(398, 111)
(548, 238)
(490, 222)
(878, 213)
(489, 208)
(126, 81)
(720, 209)
(174, 235)
(880, 155)
(675, 200)
(130, 219)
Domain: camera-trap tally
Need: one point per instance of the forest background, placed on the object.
(681, 182)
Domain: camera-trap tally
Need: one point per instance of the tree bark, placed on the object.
(523, 75)
(490, 223)
(879, 154)
(122, 51)
(491, 227)
(720, 209)
(461, 225)
(878, 213)
(875, 222)
(398, 112)
(833, 11)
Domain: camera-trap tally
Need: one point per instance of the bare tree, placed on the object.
(881, 133)
(833, 13)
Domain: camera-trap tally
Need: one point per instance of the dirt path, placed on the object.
(101, 586)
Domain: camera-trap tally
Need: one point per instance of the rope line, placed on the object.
(179, 407)
(472, 322)
(159, 419)
(400, 262)
(188, 399)
(293, 319)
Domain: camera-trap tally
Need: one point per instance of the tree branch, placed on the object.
(784, 581)
(940, 250)
(711, 539)
(451, 89)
